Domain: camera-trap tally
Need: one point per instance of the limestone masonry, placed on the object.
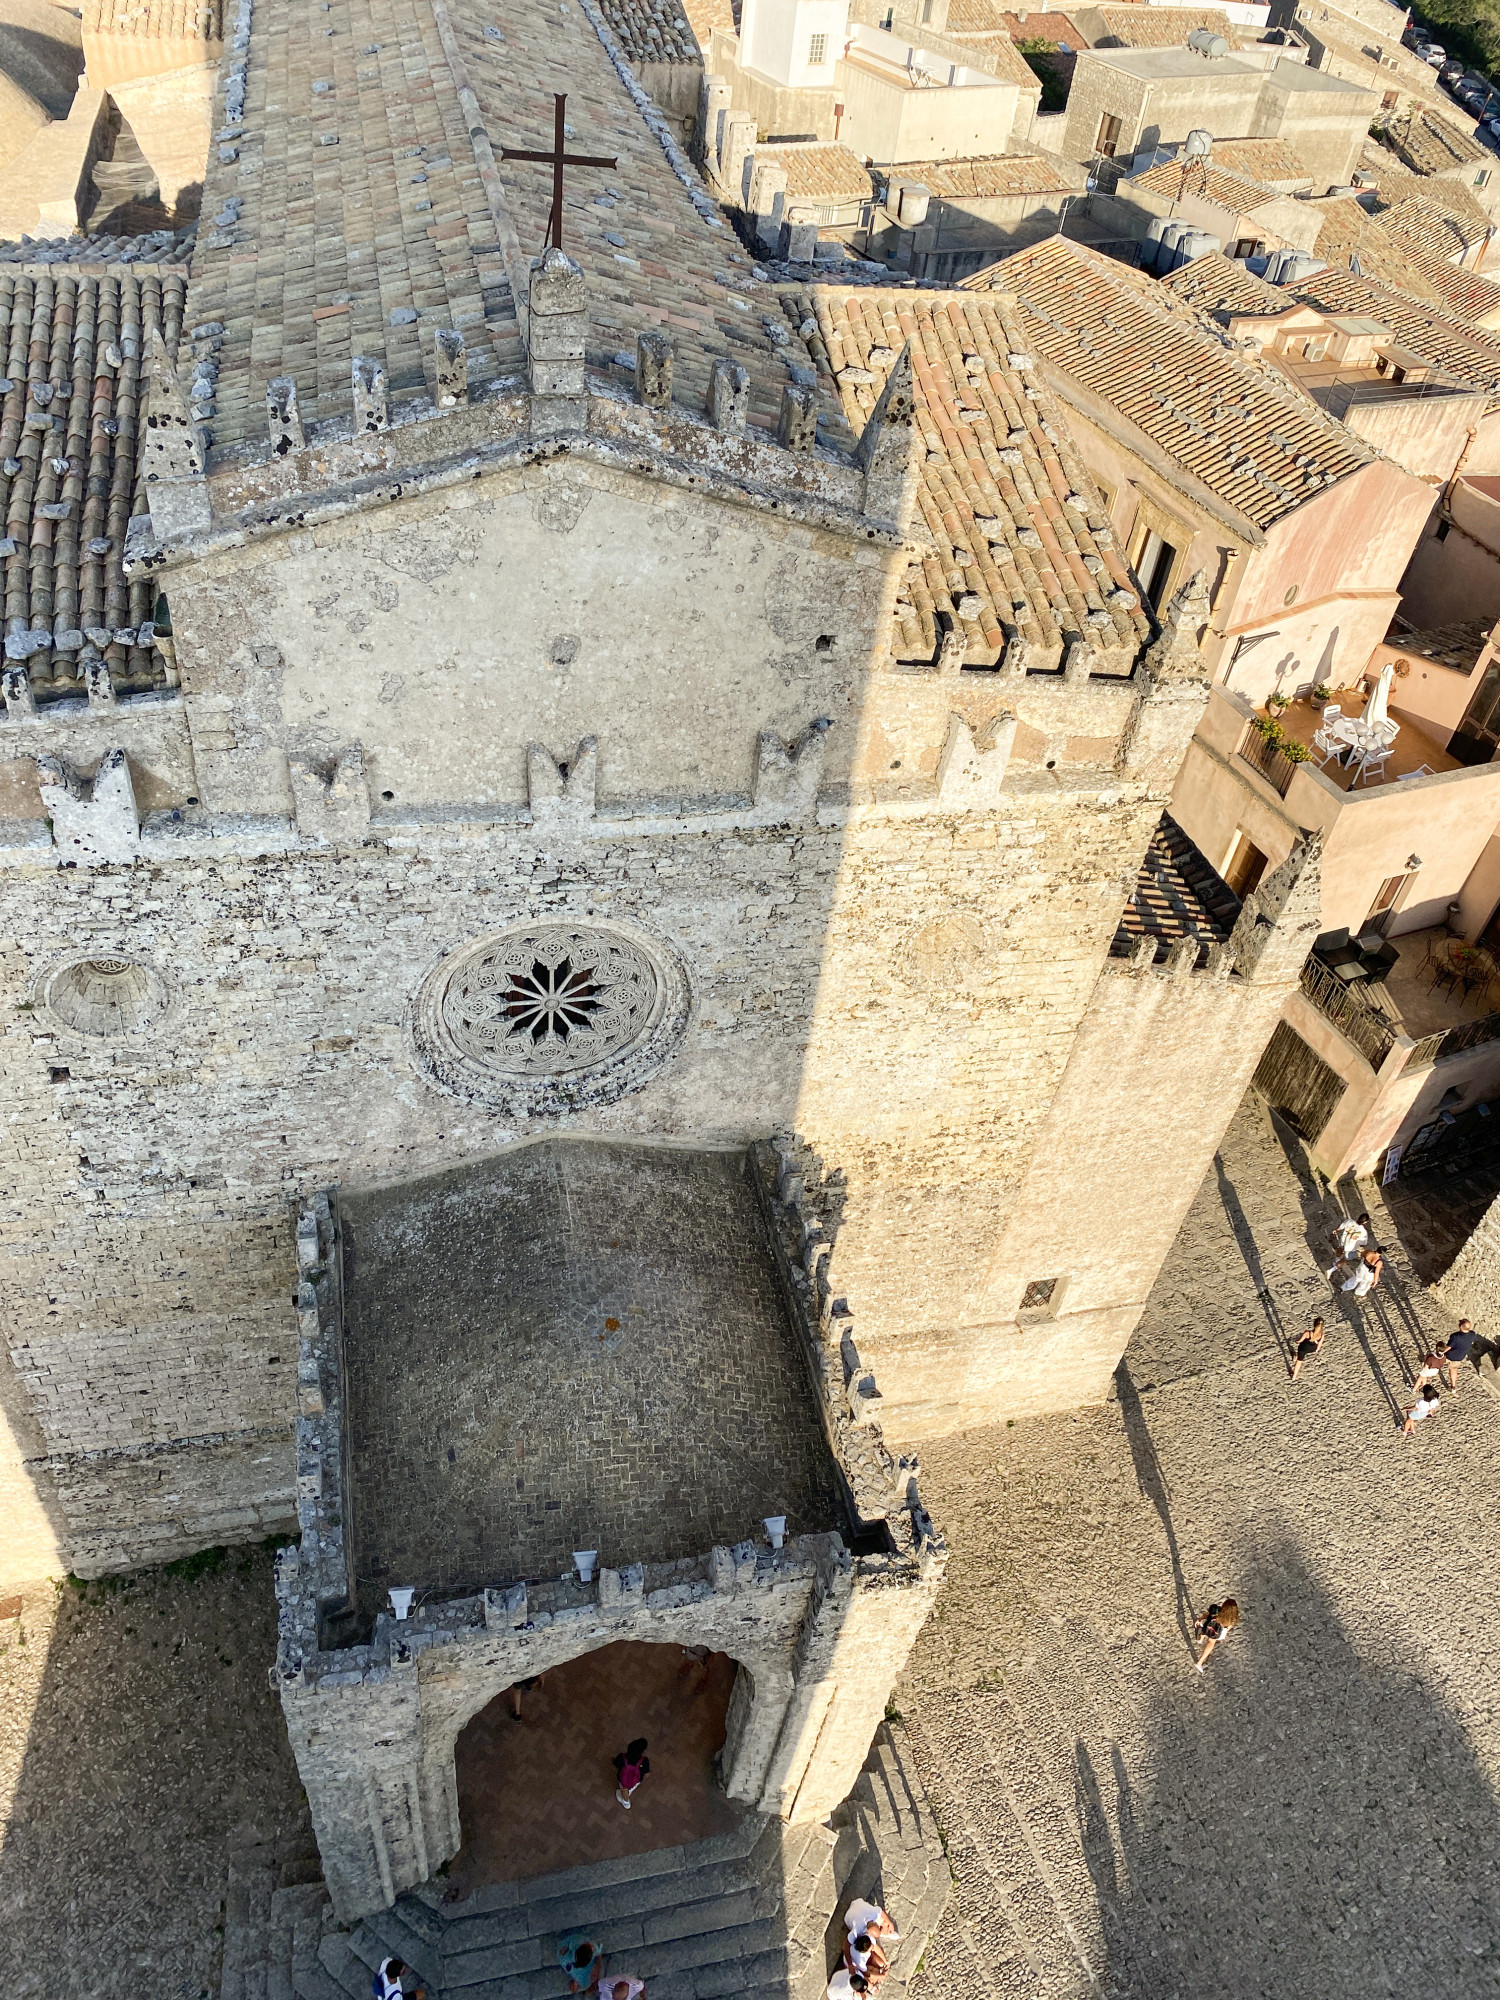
(599, 695)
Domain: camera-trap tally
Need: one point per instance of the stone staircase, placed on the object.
(753, 1912)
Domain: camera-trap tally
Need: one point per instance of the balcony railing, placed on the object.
(1267, 759)
(1371, 1033)
(1453, 1041)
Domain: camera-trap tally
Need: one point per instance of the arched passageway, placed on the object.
(538, 1794)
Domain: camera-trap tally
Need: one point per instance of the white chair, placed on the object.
(1377, 753)
(1331, 711)
(1335, 739)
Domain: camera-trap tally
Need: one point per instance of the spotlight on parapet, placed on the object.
(583, 1562)
(401, 1602)
(775, 1527)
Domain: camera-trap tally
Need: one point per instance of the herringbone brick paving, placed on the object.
(574, 1346)
(539, 1794)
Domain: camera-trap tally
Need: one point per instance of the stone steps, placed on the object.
(750, 1913)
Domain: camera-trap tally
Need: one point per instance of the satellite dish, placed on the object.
(1199, 144)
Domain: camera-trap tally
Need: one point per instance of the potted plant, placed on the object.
(1293, 751)
(1321, 693)
(1278, 702)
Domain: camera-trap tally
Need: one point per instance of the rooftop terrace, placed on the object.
(574, 1346)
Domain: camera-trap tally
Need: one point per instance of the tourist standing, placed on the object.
(1216, 1623)
(386, 1985)
(1350, 1237)
(620, 1986)
(631, 1765)
(1365, 1275)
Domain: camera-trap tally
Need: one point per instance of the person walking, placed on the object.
(1459, 1347)
(845, 1984)
(862, 1954)
(1427, 1405)
(582, 1960)
(386, 1985)
(870, 1918)
(1429, 1371)
(620, 1986)
(523, 1687)
(1350, 1237)
(631, 1765)
(1308, 1347)
(1216, 1623)
(1365, 1275)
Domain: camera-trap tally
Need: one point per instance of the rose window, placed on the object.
(589, 1004)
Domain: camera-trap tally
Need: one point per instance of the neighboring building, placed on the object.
(1164, 27)
(892, 94)
(937, 219)
(1456, 565)
(1247, 220)
(1372, 1047)
(1270, 163)
(1439, 148)
(1127, 102)
(1342, 45)
(1212, 462)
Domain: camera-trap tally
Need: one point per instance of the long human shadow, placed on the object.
(1306, 1821)
(1152, 1481)
(1244, 1236)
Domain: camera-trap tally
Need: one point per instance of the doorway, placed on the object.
(1154, 567)
(1245, 866)
(537, 1795)
(1477, 737)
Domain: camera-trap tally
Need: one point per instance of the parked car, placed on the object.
(1433, 55)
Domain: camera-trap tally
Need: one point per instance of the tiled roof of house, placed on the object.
(1243, 431)
(975, 17)
(1348, 230)
(1207, 179)
(352, 216)
(1176, 895)
(1161, 27)
(1431, 144)
(652, 31)
(1447, 195)
(993, 174)
(1214, 285)
(1457, 645)
(823, 172)
(998, 54)
(72, 362)
(704, 16)
(93, 254)
(1415, 220)
(1019, 537)
(1045, 27)
(1272, 162)
(182, 20)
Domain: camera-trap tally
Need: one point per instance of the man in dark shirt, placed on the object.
(1459, 1348)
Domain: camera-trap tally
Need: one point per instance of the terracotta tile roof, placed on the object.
(976, 17)
(1214, 285)
(1272, 162)
(1053, 28)
(93, 253)
(1457, 645)
(1242, 430)
(72, 360)
(1416, 220)
(1348, 230)
(355, 220)
(825, 172)
(1466, 294)
(1177, 894)
(1431, 144)
(1019, 537)
(704, 16)
(1208, 179)
(995, 174)
(183, 20)
(998, 54)
(652, 31)
(1442, 194)
(1161, 27)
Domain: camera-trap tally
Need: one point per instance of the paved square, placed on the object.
(575, 1346)
(1316, 1817)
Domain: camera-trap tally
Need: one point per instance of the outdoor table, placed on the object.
(1470, 964)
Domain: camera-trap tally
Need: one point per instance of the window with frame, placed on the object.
(1109, 135)
(817, 51)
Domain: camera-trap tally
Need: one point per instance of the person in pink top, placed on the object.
(631, 1765)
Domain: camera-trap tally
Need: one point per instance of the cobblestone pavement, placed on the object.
(1317, 1815)
(139, 1741)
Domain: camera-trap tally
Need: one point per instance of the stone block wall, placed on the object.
(1471, 1285)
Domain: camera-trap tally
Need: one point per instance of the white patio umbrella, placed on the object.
(1376, 707)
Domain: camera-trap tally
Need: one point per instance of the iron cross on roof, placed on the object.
(557, 159)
